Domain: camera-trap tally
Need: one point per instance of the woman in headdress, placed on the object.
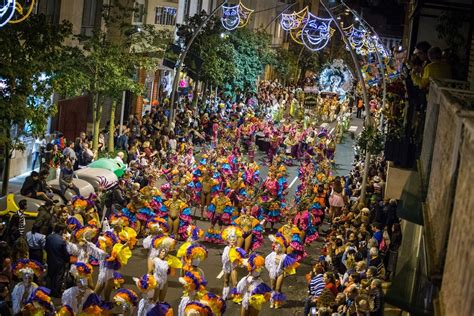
(39, 303)
(76, 296)
(232, 257)
(279, 265)
(252, 237)
(127, 300)
(179, 215)
(193, 290)
(163, 264)
(146, 284)
(25, 270)
(252, 291)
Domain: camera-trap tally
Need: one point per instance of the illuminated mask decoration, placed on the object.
(289, 21)
(316, 32)
(301, 17)
(23, 10)
(244, 14)
(235, 16)
(230, 17)
(7, 9)
(356, 38)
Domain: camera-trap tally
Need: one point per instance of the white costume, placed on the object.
(274, 269)
(145, 305)
(19, 297)
(75, 298)
(105, 273)
(79, 252)
(160, 272)
(246, 286)
(148, 244)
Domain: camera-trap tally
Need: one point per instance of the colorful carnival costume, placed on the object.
(306, 221)
(179, 216)
(39, 303)
(215, 303)
(163, 264)
(232, 257)
(127, 300)
(75, 297)
(252, 291)
(220, 212)
(161, 309)
(146, 284)
(24, 269)
(112, 255)
(294, 240)
(279, 265)
(252, 237)
(193, 290)
(157, 226)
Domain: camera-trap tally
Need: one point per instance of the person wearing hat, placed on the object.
(163, 264)
(279, 265)
(146, 284)
(25, 270)
(76, 296)
(127, 300)
(193, 290)
(252, 291)
(232, 257)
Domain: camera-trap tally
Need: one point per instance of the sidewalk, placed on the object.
(345, 150)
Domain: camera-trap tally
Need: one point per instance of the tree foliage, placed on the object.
(30, 57)
(230, 59)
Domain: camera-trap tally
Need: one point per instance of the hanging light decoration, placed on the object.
(7, 9)
(235, 16)
(316, 32)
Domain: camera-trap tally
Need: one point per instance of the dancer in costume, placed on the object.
(111, 255)
(76, 296)
(39, 303)
(215, 303)
(197, 309)
(194, 255)
(252, 291)
(193, 290)
(179, 215)
(279, 265)
(146, 284)
(127, 300)
(232, 257)
(252, 237)
(219, 212)
(157, 226)
(161, 309)
(163, 264)
(25, 270)
(293, 238)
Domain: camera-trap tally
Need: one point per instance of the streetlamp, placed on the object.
(181, 61)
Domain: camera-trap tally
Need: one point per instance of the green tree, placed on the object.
(104, 65)
(30, 56)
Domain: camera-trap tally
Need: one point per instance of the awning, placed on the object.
(409, 206)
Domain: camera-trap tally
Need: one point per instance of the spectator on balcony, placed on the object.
(436, 69)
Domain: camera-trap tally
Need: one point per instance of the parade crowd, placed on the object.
(205, 167)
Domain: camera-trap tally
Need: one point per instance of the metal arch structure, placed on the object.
(364, 95)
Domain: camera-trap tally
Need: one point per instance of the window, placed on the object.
(187, 8)
(139, 13)
(90, 16)
(165, 16)
(50, 8)
(199, 7)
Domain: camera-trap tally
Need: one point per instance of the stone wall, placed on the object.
(457, 290)
(442, 178)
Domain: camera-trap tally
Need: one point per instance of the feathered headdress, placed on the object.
(255, 262)
(146, 282)
(94, 306)
(194, 233)
(86, 232)
(160, 309)
(197, 308)
(231, 232)
(119, 220)
(163, 242)
(215, 302)
(65, 310)
(40, 300)
(279, 239)
(107, 239)
(118, 280)
(192, 281)
(81, 270)
(157, 224)
(27, 266)
(194, 252)
(126, 297)
(73, 223)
